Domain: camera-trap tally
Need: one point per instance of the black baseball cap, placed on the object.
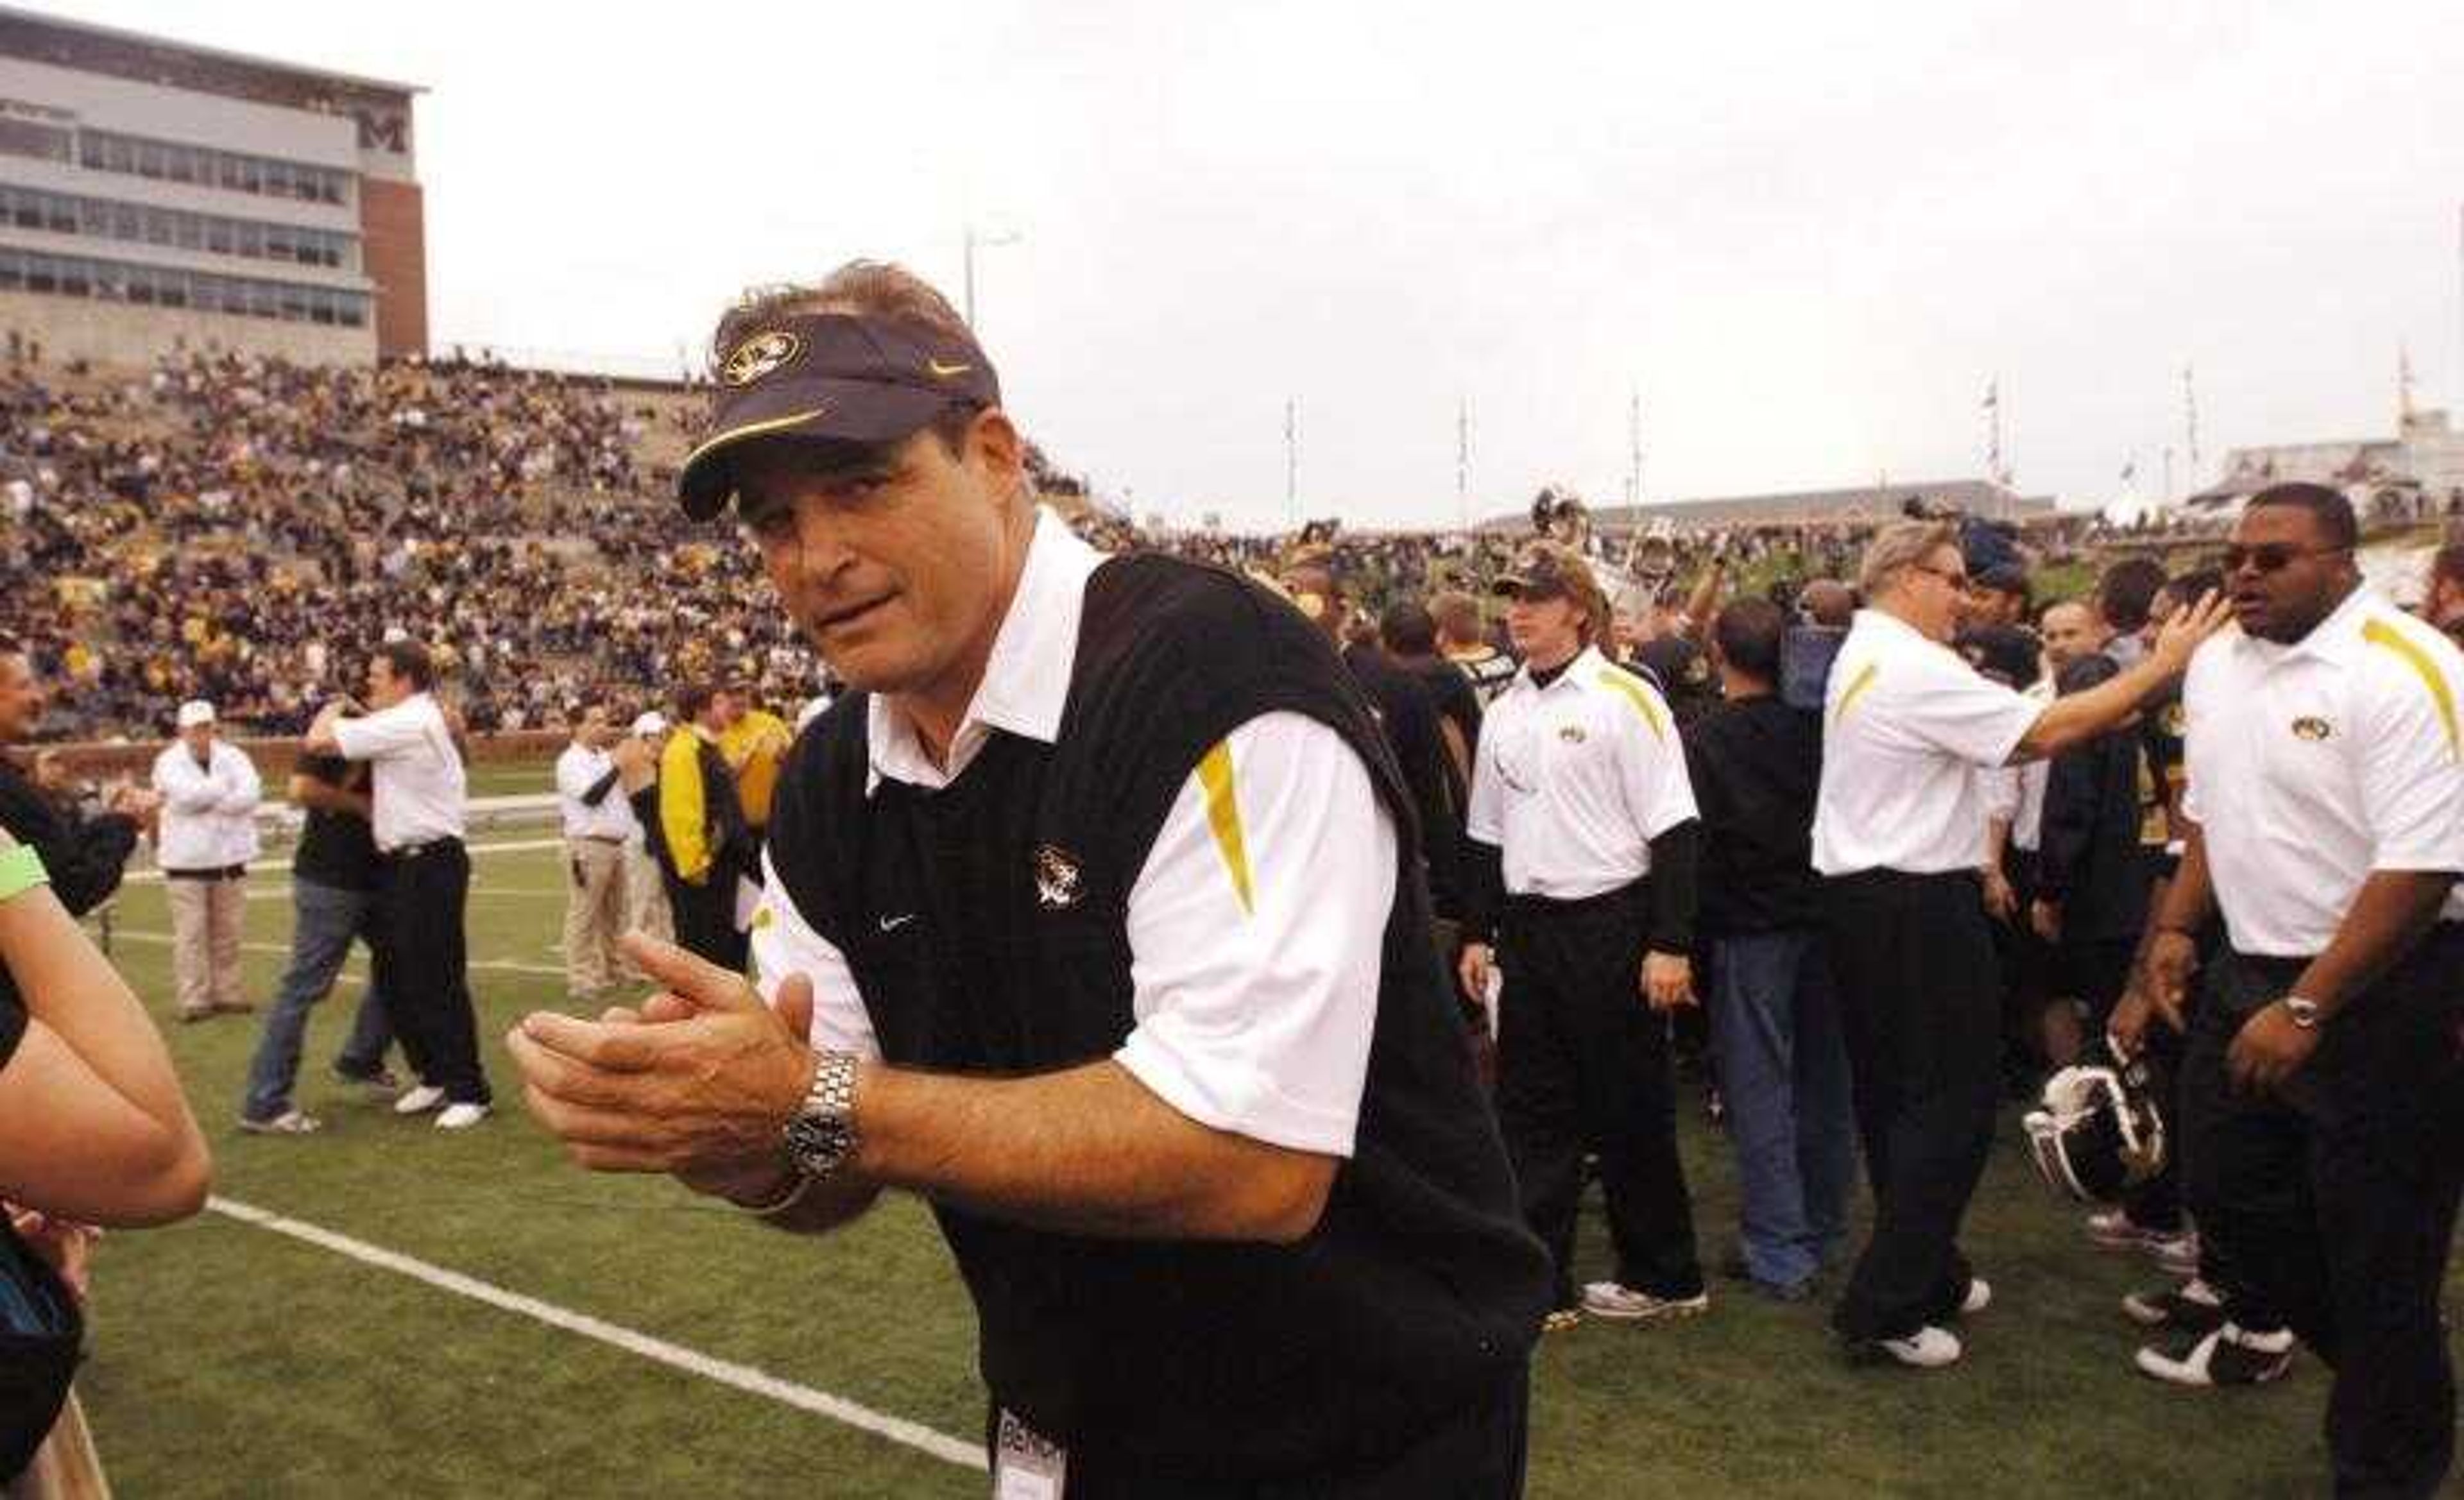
(1547, 570)
(834, 377)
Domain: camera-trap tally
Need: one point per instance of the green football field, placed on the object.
(434, 1332)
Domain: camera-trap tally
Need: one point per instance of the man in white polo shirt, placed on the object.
(598, 824)
(423, 876)
(1581, 806)
(210, 790)
(2322, 1097)
(1910, 732)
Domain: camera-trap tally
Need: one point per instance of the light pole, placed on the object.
(989, 242)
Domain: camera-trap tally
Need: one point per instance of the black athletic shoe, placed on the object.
(2192, 1308)
(2227, 1356)
(382, 1078)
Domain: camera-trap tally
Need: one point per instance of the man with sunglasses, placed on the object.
(1092, 915)
(1909, 734)
(2323, 1100)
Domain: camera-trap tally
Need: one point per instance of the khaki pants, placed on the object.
(206, 921)
(594, 913)
(646, 900)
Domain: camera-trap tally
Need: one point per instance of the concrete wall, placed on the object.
(119, 332)
(144, 109)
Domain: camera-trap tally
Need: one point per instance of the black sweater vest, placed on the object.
(1419, 1291)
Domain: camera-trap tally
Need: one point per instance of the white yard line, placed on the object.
(742, 1377)
(154, 877)
(507, 965)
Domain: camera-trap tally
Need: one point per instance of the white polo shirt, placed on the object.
(2313, 765)
(1909, 733)
(416, 782)
(209, 811)
(1575, 779)
(579, 769)
(1254, 927)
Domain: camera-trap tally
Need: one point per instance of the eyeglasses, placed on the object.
(1959, 580)
(2271, 557)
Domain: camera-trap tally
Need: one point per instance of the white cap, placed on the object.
(195, 712)
(650, 725)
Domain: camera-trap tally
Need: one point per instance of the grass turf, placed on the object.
(226, 1360)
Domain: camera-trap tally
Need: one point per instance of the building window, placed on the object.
(103, 151)
(26, 137)
(96, 218)
(167, 286)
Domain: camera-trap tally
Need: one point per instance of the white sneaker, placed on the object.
(419, 1100)
(461, 1116)
(1615, 1300)
(1929, 1348)
(1979, 1298)
(2227, 1356)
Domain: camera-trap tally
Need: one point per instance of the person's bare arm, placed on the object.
(92, 1124)
(1088, 1150)
(2077, 717)
(320, 739)
(2394, 911)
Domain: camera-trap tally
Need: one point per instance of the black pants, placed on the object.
(1582, 1065)
(2331, 1204)
(1477, 1454)
(705, 918)
(1920, 996)
(422, 966)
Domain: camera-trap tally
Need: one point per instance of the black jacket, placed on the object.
(86, 856)
(2090, 861)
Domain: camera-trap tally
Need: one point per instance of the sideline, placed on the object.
(154, 877)
(505, 965)
(742, 1377)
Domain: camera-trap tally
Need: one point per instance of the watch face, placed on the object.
(818, 1145)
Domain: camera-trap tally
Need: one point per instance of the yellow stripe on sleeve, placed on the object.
(1637, 695)
(2379, 633)
(1223, 816)
(1863, 681)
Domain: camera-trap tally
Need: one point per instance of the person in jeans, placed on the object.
(1755, 765)
(333, 885)
(420, 803)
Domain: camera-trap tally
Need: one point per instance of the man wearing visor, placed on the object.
(1582, 814)
(1085, 920)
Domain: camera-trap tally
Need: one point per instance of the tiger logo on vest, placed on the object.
(1058, 884)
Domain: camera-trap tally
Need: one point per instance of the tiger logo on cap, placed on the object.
(760, 355)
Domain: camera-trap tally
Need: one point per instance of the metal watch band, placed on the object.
(2304, 1013)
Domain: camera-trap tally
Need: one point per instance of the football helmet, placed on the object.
(2100, 1130)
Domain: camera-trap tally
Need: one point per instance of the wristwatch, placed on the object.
(2305, 1013)
(822, 1135)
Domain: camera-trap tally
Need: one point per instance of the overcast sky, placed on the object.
(1808, 235)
